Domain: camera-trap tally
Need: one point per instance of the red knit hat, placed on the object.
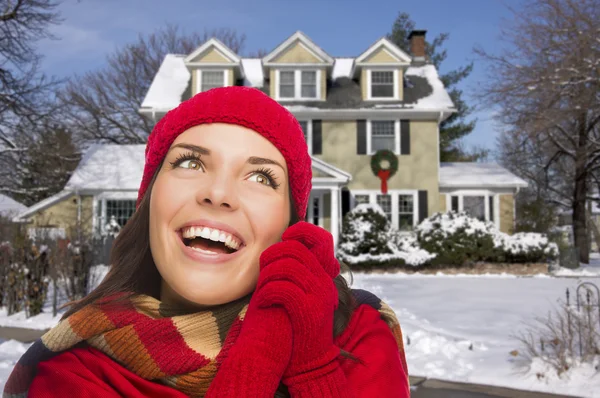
(246, 107)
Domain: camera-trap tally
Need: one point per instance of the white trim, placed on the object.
(394, 193)
(391, 48)
(303, 40)
(396, 135)
(199, 77)
(395, 82)
(298, 84)
(326, 168)
(212, 42)
(486, 194)
(309, 133)
(319, 196)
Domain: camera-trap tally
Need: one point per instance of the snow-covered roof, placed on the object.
(169, 84)
(253, 71)
(10, 207)
(477, 175)
(342, 67)
(439, 98)
(109, 167)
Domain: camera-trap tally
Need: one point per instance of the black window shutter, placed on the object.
(423, 207)
(491, 205)
(361, 137)
(345, 201)
(404, 137)
(454, 203)
(317, 137)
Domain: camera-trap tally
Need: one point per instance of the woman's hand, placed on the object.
(297, 274)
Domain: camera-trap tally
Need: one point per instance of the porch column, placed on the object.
(335, 221)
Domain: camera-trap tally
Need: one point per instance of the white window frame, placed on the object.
(298, 85)
(485, 193)
(98, 224)
(309, 133)
(319, 197)
(394, 193)
(199, 77)
(396, 96)
(396, 135)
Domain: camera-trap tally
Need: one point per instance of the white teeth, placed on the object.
(203, 251)
(212, 234)
(204, 233)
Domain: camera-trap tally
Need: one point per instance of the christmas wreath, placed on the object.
(384, 164)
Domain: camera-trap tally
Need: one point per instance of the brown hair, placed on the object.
(133, 271)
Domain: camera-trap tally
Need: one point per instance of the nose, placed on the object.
(220, 192)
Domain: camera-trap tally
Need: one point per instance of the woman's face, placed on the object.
(219, 200)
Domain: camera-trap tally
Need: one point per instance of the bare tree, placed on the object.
(546, 84)
(23, 88)
(103, 105)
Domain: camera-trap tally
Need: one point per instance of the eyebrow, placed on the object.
(204, 151)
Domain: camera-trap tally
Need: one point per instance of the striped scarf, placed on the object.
(157, 342)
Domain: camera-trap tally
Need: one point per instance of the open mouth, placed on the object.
(210, 240)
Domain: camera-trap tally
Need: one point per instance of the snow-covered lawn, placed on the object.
(445, 315)
(591, 269)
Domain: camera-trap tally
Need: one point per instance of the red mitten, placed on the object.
(297, 274)
(257, 359)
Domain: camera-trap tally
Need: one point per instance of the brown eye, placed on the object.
(261, 179)
(191, 164)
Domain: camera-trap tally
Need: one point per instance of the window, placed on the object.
(298, 84)
(122, 210)
(385, 202)
(304, 125)
(406, 210)
(211, 79)
(475, 206)
(383, 135)
(286, 84)
(382, 84)
(361, 199)
(309, 84)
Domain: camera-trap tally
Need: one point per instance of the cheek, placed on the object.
(269, 219)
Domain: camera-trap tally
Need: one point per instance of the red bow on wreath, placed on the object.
(384, 175)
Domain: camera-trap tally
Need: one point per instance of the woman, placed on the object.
(216, 288)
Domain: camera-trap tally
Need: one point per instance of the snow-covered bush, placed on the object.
(457, 238)
(368, 241)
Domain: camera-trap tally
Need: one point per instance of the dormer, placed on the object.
(298, 70)
(212, 65)
(380, 70)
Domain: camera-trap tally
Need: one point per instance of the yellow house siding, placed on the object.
(212, 56)
(381, 56)
(230, 77)
(323, 84)
(194, 82)
(400, 84)
(442, 202)
(507, 215)
(273, 82)
(417, 171)
(327, 211)
(64, 215)
(297, 54)
(364, 83)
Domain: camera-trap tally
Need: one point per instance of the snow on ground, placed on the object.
(444, 315)
(45, 320)
(591, 269)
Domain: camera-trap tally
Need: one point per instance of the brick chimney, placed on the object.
(417, 44)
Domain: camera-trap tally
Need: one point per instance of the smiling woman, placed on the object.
(217, 288)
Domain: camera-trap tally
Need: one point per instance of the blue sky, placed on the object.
(94, 28)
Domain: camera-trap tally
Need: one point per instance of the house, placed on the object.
(349, 108)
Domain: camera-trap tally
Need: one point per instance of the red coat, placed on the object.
(87, 372)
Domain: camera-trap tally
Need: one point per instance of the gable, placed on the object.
(297, 53)
(316, 173)
(382, 56)
(211, 56)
